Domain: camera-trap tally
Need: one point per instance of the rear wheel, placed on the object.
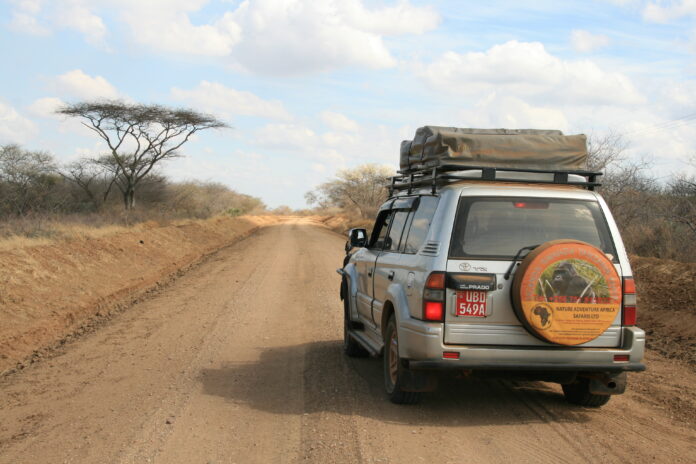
(351, 348)
(393, 369)
(578, 393)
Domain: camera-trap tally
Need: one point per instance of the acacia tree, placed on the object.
(138, 136)
(26, 179)
(363, 187)
(91, 178)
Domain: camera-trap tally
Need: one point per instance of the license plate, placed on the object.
(471, 303)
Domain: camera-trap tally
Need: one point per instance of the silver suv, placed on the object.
(439, 284)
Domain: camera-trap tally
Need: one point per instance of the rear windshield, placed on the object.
(499, 227)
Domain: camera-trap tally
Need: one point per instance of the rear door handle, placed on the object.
(391, 275)
(369, 273)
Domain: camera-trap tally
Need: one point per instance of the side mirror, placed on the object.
(356, 238)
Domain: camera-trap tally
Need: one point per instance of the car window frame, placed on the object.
(395, 211)
(604, 232)
(379, 223)
(392, 206)
(409, 223)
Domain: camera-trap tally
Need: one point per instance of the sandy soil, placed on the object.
(54, 289)
(239, 360)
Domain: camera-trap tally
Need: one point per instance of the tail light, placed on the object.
(629, 313)
(434, 297)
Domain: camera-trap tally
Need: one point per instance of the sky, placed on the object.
(312, 86)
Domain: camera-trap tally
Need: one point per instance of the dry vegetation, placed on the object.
(39, 199)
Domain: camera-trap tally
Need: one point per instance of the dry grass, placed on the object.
(30, 231)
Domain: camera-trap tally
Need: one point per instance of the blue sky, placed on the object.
(312, 86)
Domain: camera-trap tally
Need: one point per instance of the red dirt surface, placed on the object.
(51, 290)
(667, 306)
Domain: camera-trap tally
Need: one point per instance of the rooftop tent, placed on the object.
(497, 148)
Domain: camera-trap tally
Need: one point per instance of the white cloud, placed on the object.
(513, 113)
(165, 25)
(286, 137)
(24, 18)
(40, 17)
(79, 18)
(333, 149)
(263, 36)
(28, 6)
(663, 12)
(586, 42)
(219, 99)
(27, 23)
(14, 128)
(338, 121)
(78, 84)
(297, 36)
(526, 70)
(46, 107)
(402, 18)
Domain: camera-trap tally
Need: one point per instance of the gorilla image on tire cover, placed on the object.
(572, 281)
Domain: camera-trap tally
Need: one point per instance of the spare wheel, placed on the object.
(566, 292)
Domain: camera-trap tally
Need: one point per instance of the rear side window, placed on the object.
(391, 243)
(420, 223)
(499, 227)
(380, 230)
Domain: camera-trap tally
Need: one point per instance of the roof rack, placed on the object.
(439, 176)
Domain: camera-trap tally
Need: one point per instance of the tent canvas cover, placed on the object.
(496, 148)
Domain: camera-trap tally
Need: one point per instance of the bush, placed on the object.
(655, 220)
(36, 195)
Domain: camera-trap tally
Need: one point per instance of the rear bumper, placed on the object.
(421, 344)
(447, 364)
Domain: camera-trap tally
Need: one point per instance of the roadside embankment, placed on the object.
(49, 290)
(667, 305)
(341, 224)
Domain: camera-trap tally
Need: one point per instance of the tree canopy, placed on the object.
(363, 188)
(138, 136)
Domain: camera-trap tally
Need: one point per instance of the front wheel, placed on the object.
(394, 370)
(578, 393)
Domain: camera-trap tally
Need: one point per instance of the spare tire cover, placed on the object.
(566, 292)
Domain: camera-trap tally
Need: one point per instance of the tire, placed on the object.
(393, 368)
(556, 286)
(351, 348)
(578, 393)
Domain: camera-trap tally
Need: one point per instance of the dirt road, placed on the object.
(240, 361)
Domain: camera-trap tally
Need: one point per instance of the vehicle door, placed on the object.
(389, 267)
(365, 259)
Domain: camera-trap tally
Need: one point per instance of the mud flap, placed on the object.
(417, 381)
(608, 384)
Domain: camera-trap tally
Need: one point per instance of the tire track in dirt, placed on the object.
(240, 360)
